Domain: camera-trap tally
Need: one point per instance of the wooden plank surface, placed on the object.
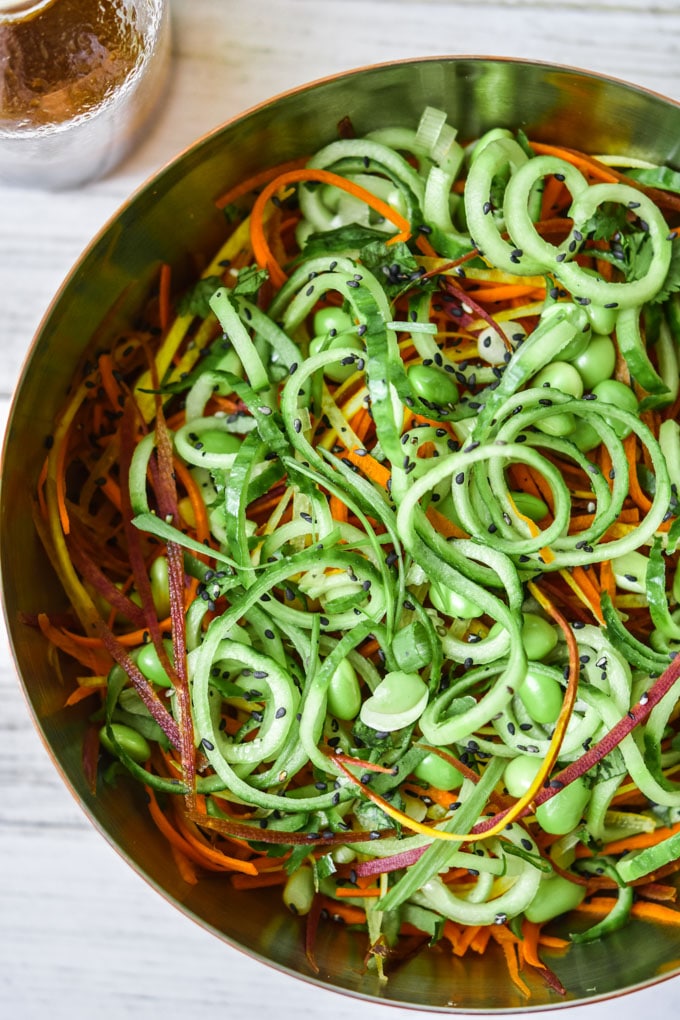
(80, 934)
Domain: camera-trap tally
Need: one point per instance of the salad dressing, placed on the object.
(78, 79)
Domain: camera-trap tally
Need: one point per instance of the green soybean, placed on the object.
(336, 370)
(611, 391)
(538, 636)
(150, 664)
(452, 604)
(398, 701)
(555, 895)
(128, 740)
(520, 773)
(541, 695)
(596, 363)
(564, 811)
(330, 319)
(298, 892)
(160, 586)
(344, 693)
(438, 772)
(560, 375)
(433, 385)
(530, 506)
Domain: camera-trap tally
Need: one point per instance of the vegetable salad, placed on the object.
(370, 541)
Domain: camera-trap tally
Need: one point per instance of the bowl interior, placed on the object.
(173, 218)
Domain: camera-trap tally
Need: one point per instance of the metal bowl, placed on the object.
(173, 218)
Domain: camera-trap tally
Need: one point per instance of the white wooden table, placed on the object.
(80, 934)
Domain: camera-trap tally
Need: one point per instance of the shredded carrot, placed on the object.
(528, 947)
(642, 909)
(261, 248)
(586, 164)
(349, 893)
(641, 840)
(257, 181)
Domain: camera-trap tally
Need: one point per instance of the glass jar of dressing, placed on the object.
(79, 80)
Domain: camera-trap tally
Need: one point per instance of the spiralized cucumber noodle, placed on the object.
(370, 542)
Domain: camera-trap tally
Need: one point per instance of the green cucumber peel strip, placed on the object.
(224, 308)
(643, 862)
(437, 855)
(620, 912)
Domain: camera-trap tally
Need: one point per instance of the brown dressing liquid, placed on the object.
(63, 59)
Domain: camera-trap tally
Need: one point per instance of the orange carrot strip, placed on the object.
(507, 291)
(481, 939)
(205, 855)
(636, 493)
(184, 866)
(511, 950)
(347, 912)
(443, 525)
(257, 181)
(647, 911)
(260, 245)
(528, 947)
(60, 484)
(349, 893)
(84, 691)
(339, 511)
(93, 656)
(466, 939)
(201, 523)
(370, 467)
(641, 840)
(586, 164)
(643, 909)
(108, 380)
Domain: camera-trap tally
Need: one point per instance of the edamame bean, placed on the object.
(438, 772)
(220, 441)
(538, 636)
(128, 740)
(564, 811)
(529, 506)
(541, 695)
(603, 320)
(555, 895)
(344, 694)
(630, 572)
(585, 436)
(298, 892)
(336, 370)
(596, 363)
(397, 701)
(560, 375)
(520, 773)
(150, 664)
(433, 385)
(160, 586)
(611, 391)
(331, 320)
(452, 604)
(562, 423)
(561, 813)
(490, 344)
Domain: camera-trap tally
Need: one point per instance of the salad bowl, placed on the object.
(174, 219)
